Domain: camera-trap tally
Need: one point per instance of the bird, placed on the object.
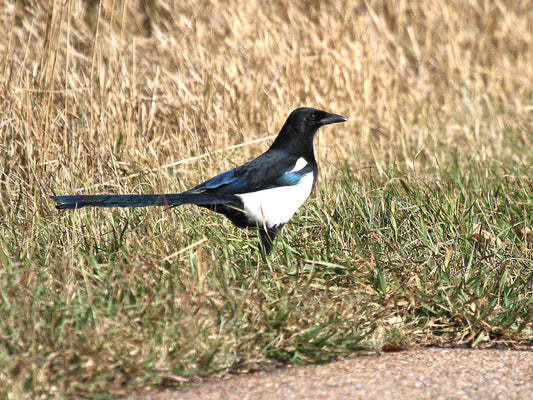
(262, 194)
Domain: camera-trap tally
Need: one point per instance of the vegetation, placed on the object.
(419, 233)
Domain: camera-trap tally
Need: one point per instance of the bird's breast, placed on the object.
(276, 206)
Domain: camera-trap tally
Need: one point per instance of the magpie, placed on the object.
(261, 194)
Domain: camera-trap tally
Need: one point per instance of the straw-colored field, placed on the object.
(419, 232)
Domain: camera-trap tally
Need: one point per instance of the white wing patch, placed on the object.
(300, 164)
(276, 206)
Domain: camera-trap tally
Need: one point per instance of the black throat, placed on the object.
(296, 143)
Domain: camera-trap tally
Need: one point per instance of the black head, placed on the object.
(307, 120)
(297, 134)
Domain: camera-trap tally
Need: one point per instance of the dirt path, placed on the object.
(416, 374)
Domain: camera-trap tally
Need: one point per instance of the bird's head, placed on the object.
(306, 121)
(297, 134)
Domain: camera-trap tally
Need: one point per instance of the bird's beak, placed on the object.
(332, 119)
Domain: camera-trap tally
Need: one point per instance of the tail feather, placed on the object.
(140, 200)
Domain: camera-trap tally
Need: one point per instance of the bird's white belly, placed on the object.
(276, 206)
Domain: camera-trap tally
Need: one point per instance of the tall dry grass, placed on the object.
(95, 92)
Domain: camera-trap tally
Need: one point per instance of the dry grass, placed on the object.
(154, 97)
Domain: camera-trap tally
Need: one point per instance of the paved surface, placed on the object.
(415, 374)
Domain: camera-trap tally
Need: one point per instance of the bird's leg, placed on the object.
(267, 237)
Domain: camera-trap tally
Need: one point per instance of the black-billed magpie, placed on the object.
(263, 193)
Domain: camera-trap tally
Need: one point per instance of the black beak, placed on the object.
(331, 119)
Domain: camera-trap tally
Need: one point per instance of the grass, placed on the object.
(419, 232)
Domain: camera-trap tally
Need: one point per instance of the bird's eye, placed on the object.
(312, 117)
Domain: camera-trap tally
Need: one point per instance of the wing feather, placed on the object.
(266, 171)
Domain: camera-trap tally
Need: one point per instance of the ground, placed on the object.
(431, 373)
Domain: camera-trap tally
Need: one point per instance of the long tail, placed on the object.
(140, 200)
